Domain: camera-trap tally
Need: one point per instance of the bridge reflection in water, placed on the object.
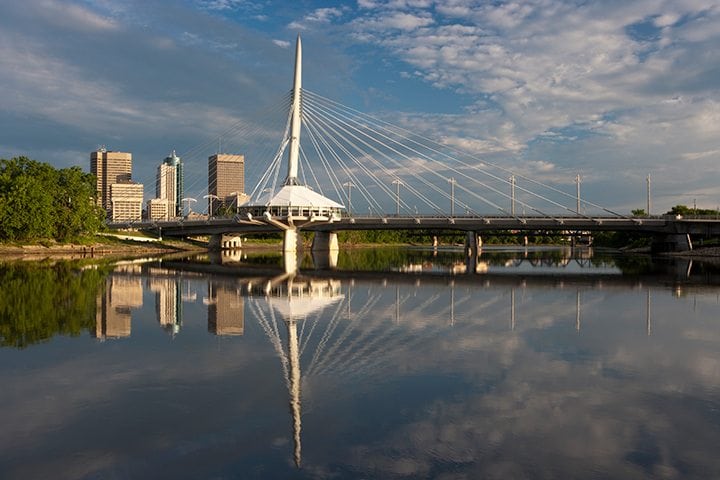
(354, 323)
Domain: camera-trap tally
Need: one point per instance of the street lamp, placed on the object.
(397, 182)
(349, 186)
(210, 197)
(187, 201)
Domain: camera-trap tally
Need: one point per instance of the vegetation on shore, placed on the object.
(39, 202)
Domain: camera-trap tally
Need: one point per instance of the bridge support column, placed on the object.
(224, 242)
(679, 242)
(325, 250)
(325, 241)
(290, 250)
(473, 243)
(290, 240)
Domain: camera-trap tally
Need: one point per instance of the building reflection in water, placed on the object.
(226, 314)
(123, 291)
(168, 302)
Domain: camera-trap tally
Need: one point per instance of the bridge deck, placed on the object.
(238, 224)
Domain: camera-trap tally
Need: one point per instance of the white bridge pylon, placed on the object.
(294, 205)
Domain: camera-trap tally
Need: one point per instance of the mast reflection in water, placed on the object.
(573, 367)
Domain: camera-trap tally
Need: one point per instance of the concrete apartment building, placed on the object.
(226, 179)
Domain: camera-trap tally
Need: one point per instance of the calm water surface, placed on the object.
(397, 364)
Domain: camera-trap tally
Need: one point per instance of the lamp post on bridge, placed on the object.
(349, 186)
(187, 201)
(210, 197)
(397, 184)
(648, 195)
(452, 196)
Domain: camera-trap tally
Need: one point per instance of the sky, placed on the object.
(611, 90)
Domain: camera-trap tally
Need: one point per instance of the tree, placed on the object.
(39, 202)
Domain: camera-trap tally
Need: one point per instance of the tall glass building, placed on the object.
(174, 161)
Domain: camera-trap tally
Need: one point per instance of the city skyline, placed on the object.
(548, 89)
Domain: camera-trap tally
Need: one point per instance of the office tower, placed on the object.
(226, 179)
(174, 162)
(126, 201)
(226, 315)
(166, 188)
(109, 167)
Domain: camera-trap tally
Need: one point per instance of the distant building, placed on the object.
(109, 167)
(166, 188)
(126, 201)
(226, 179)
(158, 209)
(173, 164)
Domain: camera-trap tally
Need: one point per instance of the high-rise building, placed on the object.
(126, 201)
(226, 178)
(109, 167)
(166, 187)
(173, 162)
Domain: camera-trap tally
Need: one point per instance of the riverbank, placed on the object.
(710, 252)
(96, 247)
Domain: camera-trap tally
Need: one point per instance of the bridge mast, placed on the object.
(295, 121)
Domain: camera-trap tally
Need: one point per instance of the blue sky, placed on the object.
(612, 90)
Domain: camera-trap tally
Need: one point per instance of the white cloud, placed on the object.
(316, 17)
(549, 65)
(73, 16)
(395, 20)
(281, 43)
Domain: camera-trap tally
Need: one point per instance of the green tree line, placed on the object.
(38, 202)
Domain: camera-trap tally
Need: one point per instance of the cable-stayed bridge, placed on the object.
(357, 172)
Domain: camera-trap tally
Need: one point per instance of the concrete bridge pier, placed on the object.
(291, 240)
(473, 243)
(220, 242)
(676, 242)
(325, 242)
(325, 250)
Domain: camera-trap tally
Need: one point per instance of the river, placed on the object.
(398, 363)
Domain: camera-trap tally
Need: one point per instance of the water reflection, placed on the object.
(375, 374)
(226, 312)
